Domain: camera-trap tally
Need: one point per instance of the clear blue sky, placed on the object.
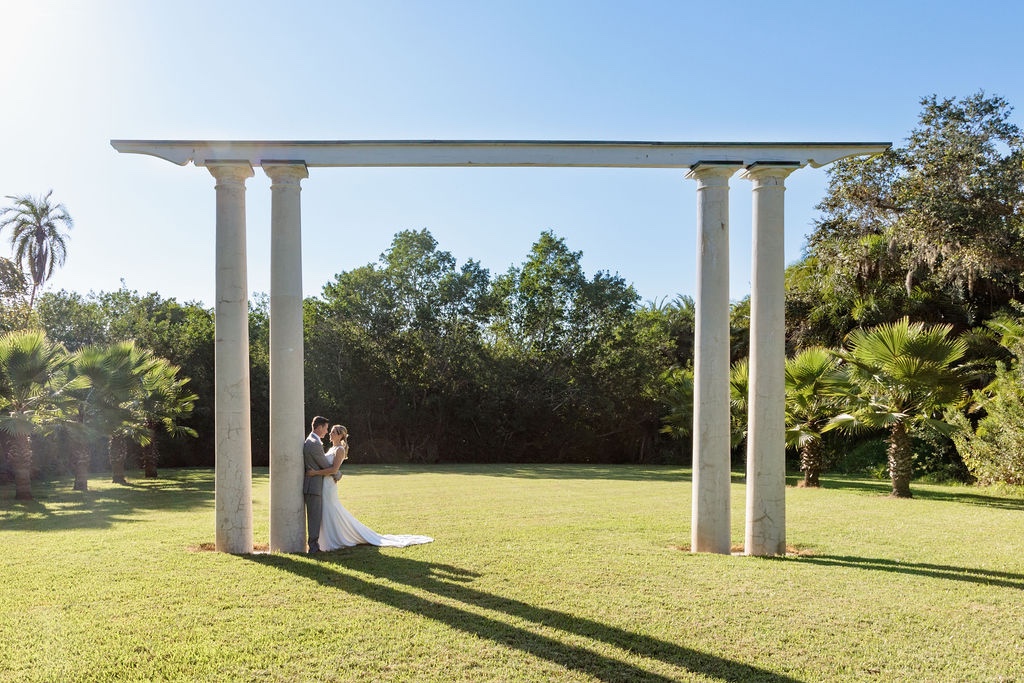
(76, 74)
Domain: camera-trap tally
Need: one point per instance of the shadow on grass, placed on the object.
(57, 507)
(984, 577)
(955, 495)
(950, 494)
(451, 584)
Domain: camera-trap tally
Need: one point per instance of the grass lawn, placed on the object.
(537, 573)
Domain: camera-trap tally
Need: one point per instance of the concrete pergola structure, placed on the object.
(710, 164)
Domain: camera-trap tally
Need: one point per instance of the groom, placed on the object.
(313, 483)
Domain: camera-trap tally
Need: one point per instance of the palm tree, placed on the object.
(1009, 329)
(38, 236)
(98, 409)
(77, 434)
(144, 395)
(677, 386)
(677, 396)
(117, 452)
(35, 383)
(812, 381)
(739, 392)
(162, 402)
(903, 376)
(128, 420)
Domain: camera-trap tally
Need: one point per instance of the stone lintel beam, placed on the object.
(549, 153)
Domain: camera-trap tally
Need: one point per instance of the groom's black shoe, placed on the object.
(313, 548)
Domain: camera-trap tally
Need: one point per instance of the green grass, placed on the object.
(537, 573)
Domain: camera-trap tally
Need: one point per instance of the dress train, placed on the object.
(340, 529)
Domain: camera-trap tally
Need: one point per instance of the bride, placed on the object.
(338, 528)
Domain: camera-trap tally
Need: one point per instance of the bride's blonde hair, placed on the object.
(340, 429)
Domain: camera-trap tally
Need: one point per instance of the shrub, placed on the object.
(993, 450)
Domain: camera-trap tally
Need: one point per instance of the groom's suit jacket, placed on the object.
(313, 458)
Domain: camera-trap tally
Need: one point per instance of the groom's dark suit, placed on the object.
(313, 458)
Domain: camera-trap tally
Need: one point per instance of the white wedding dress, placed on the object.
(339, 529)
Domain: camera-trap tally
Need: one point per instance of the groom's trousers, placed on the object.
(314, 510)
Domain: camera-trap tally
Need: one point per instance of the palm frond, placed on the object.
(739, 383)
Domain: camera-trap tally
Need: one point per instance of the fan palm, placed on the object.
(38, 236)
(1009, 329)
(127, 420)
(98, 409)
(77, 427)
(160, 403)
(903, 375)
(677, 396)
(812, 381)
(739, 392)
(35, 386)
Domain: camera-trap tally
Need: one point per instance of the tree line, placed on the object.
(903, 330)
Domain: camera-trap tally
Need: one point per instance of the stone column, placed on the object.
(766, 421)
(233, 486)
(711, 475)
(287, 408)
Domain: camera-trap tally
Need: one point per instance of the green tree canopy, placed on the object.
(396, 347)
(933, 229)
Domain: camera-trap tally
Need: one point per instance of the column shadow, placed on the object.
(451, 583)
(959, 494)
(936, 571)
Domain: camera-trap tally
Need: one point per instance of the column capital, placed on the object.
(713, 172)
(285, 172)
(237, 171)
(769, 172)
